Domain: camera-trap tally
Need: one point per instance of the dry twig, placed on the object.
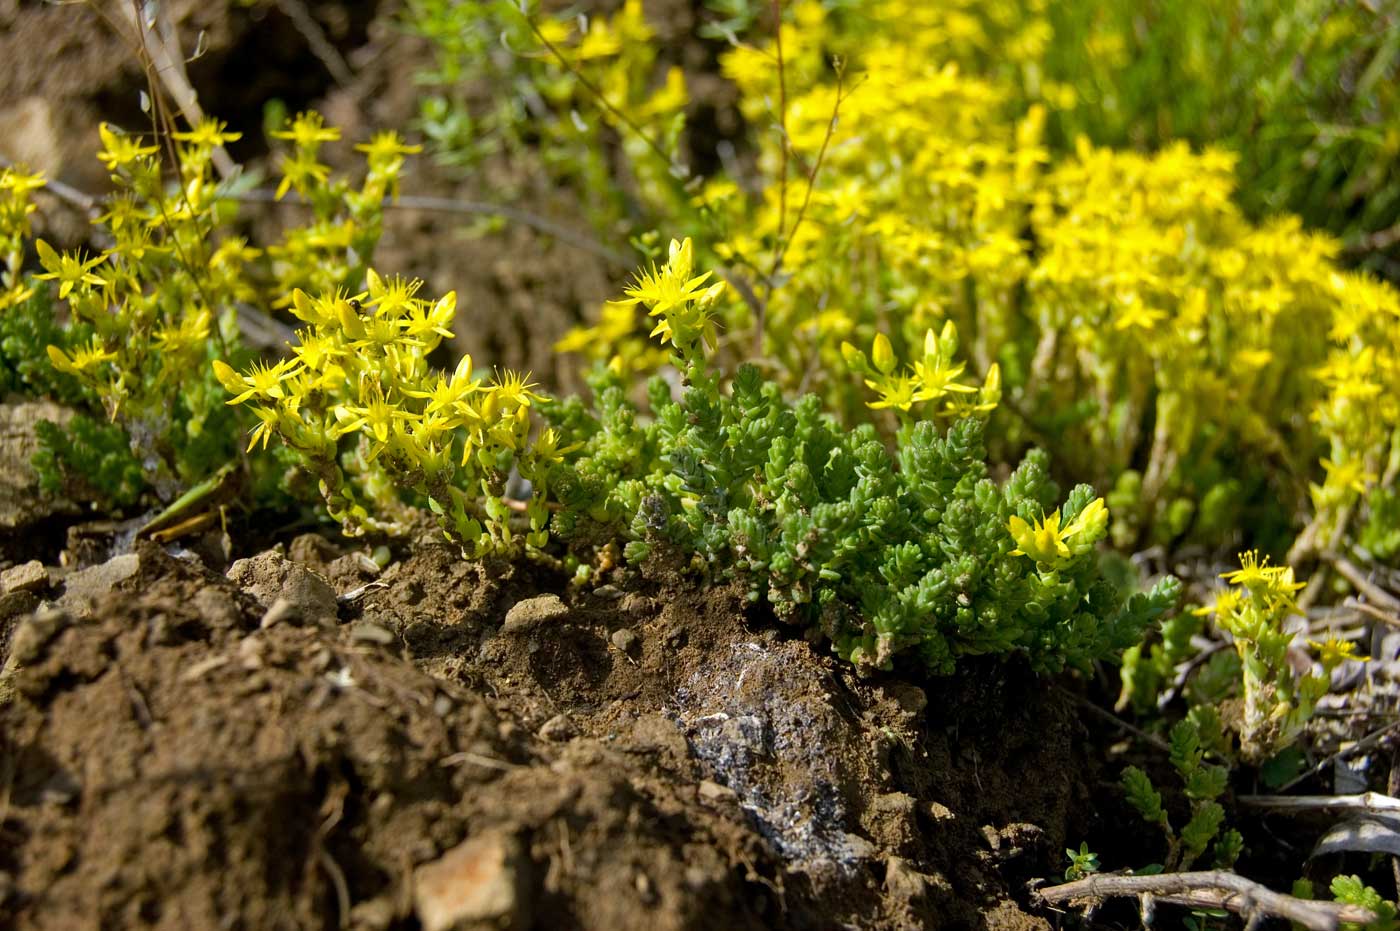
(1212, 889)
(160, 48)
(1373, 803)
(1353, 574)
(317, 42)
(1369, 742)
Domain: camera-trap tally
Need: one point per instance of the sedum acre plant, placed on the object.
(364, 413)
(1144, 330)
(130, 331)
(1276, 700)
(913, 551)
(1203, 784)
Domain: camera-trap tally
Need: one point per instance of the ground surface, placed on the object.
(188, 749)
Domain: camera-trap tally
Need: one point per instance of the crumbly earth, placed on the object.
(185, 752)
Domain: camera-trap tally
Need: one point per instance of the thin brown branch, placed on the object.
(1119, 723)
(1212, 889)
(681, 172)
(160, 49)
(1372, 803)
(472, 207)
(1353, 574)
(317, 42)
(1365, 744)
(1385, 617)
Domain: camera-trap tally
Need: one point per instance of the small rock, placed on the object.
(860, 847)
(607, 592)
(646, 890)
(627, 641)
(61, 788)
(530, 613)
(34, 633)
(656, 733)
(558, 729)
(26, 577)
(895, 803)
(84, 588)
(903, 882)
(22, 501)
(217, 607)
(271, 576)
(13, 604)
(910, 697)
(370, 632)
(353, 564)
(480, 883)
(372, 915)
(281, 610)
(712, 791)
(312, 549)
(940, 812)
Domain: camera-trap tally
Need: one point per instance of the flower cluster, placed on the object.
(933, 378)
(1139, 325)
(16, 205)
(366, 415)
(1277, 702)
(333, 249)
(147, 314)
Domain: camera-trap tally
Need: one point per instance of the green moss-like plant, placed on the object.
(913, 551)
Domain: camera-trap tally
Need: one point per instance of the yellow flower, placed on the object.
(1136, 314)
(262, 380)
(301, 171)
(20, 183)
(899, 392)
(936, 373)
(121, 149)
(386, 148)
(67, 269)
(1332, 652)
(1043, 541)
(83, 360)
(209, 134)
(268, 419)
(375, 417)
(514, 389)
(1047, 542)
(1263, 579)
(308, 131)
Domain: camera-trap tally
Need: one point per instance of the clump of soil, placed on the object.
(480, 745)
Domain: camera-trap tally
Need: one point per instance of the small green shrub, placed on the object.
(915, 550)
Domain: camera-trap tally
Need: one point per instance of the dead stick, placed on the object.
(1353, 574)
(1220, 889)
(317, 42)
(1118, 722)
(451, 205)
(1369, 742)
(1369, 802)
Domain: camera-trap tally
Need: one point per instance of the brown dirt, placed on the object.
(656, 759)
